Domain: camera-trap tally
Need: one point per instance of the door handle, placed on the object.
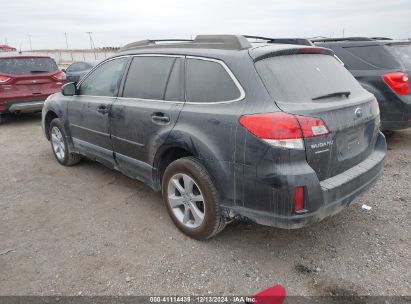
(103, 109)
(159, 117)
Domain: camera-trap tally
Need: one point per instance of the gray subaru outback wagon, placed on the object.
(280, 134)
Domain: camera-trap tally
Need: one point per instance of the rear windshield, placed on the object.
(22, 66)
(403, 53)
(301, 78)
(375, 55)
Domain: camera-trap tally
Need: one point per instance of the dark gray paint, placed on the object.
(253, 179)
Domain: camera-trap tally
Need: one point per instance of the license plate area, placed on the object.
(351, 142)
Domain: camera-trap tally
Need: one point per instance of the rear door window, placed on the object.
(25, 66)
(209, 81)
(403, 53)
(300, 78)
(156, 78)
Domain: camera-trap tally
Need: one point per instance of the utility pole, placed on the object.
(92, 46)
(65, 35)
(5, 41)
(67, 46)
(31, 48)
(343, 32)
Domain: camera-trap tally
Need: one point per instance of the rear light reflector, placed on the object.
(4, 79)
(283, 129)
(312, 127)
(299, 199)
(60, 76)
(399, 82)
(2, 107)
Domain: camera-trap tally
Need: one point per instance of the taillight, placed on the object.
(60, 76)
(284, 130)
(4, 79)
(399, 82)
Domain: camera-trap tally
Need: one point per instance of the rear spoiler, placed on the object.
(296, 51)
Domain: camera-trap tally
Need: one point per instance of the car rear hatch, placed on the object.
(401, 50)
(24, 78)
(400, 82)
(310, 82)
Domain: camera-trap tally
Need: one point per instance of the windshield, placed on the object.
(302, 78)
(403, 51)
(23, 66)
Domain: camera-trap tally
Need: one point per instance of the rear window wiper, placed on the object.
(38, 71)
(344, 93)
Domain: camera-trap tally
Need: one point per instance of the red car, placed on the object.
(26, 80)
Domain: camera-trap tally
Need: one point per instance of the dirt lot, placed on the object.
(92, 231)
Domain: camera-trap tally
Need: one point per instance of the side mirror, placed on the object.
(63, 70)
(69, 89)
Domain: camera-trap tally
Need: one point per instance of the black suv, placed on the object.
(382, 66)
(279, 134)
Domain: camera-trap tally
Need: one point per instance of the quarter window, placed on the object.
(105, 79)
(208, 81)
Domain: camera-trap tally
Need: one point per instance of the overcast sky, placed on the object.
(117, 22)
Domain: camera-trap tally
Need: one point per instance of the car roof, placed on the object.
(22, 55)
(92, 63)
(359, 41)
(222, 47)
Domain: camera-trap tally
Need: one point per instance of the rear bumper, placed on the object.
(26, 107)
(331, 195)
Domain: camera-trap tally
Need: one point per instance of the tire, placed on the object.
(66, 158)
(3, 118)
(212, 222)
(388, 133)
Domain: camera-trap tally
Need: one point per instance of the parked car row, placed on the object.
(278, 133)
(283, 132)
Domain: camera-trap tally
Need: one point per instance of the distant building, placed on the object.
(6, 48)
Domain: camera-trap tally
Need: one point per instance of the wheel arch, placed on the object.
(48, 118)
(165, 155)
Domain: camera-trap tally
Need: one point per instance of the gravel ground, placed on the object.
(92, 231)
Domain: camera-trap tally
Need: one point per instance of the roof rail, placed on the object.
(381, 38)
(225, 42)
(298, 41)
(341, 39)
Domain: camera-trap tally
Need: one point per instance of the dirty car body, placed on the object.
(280, 151)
